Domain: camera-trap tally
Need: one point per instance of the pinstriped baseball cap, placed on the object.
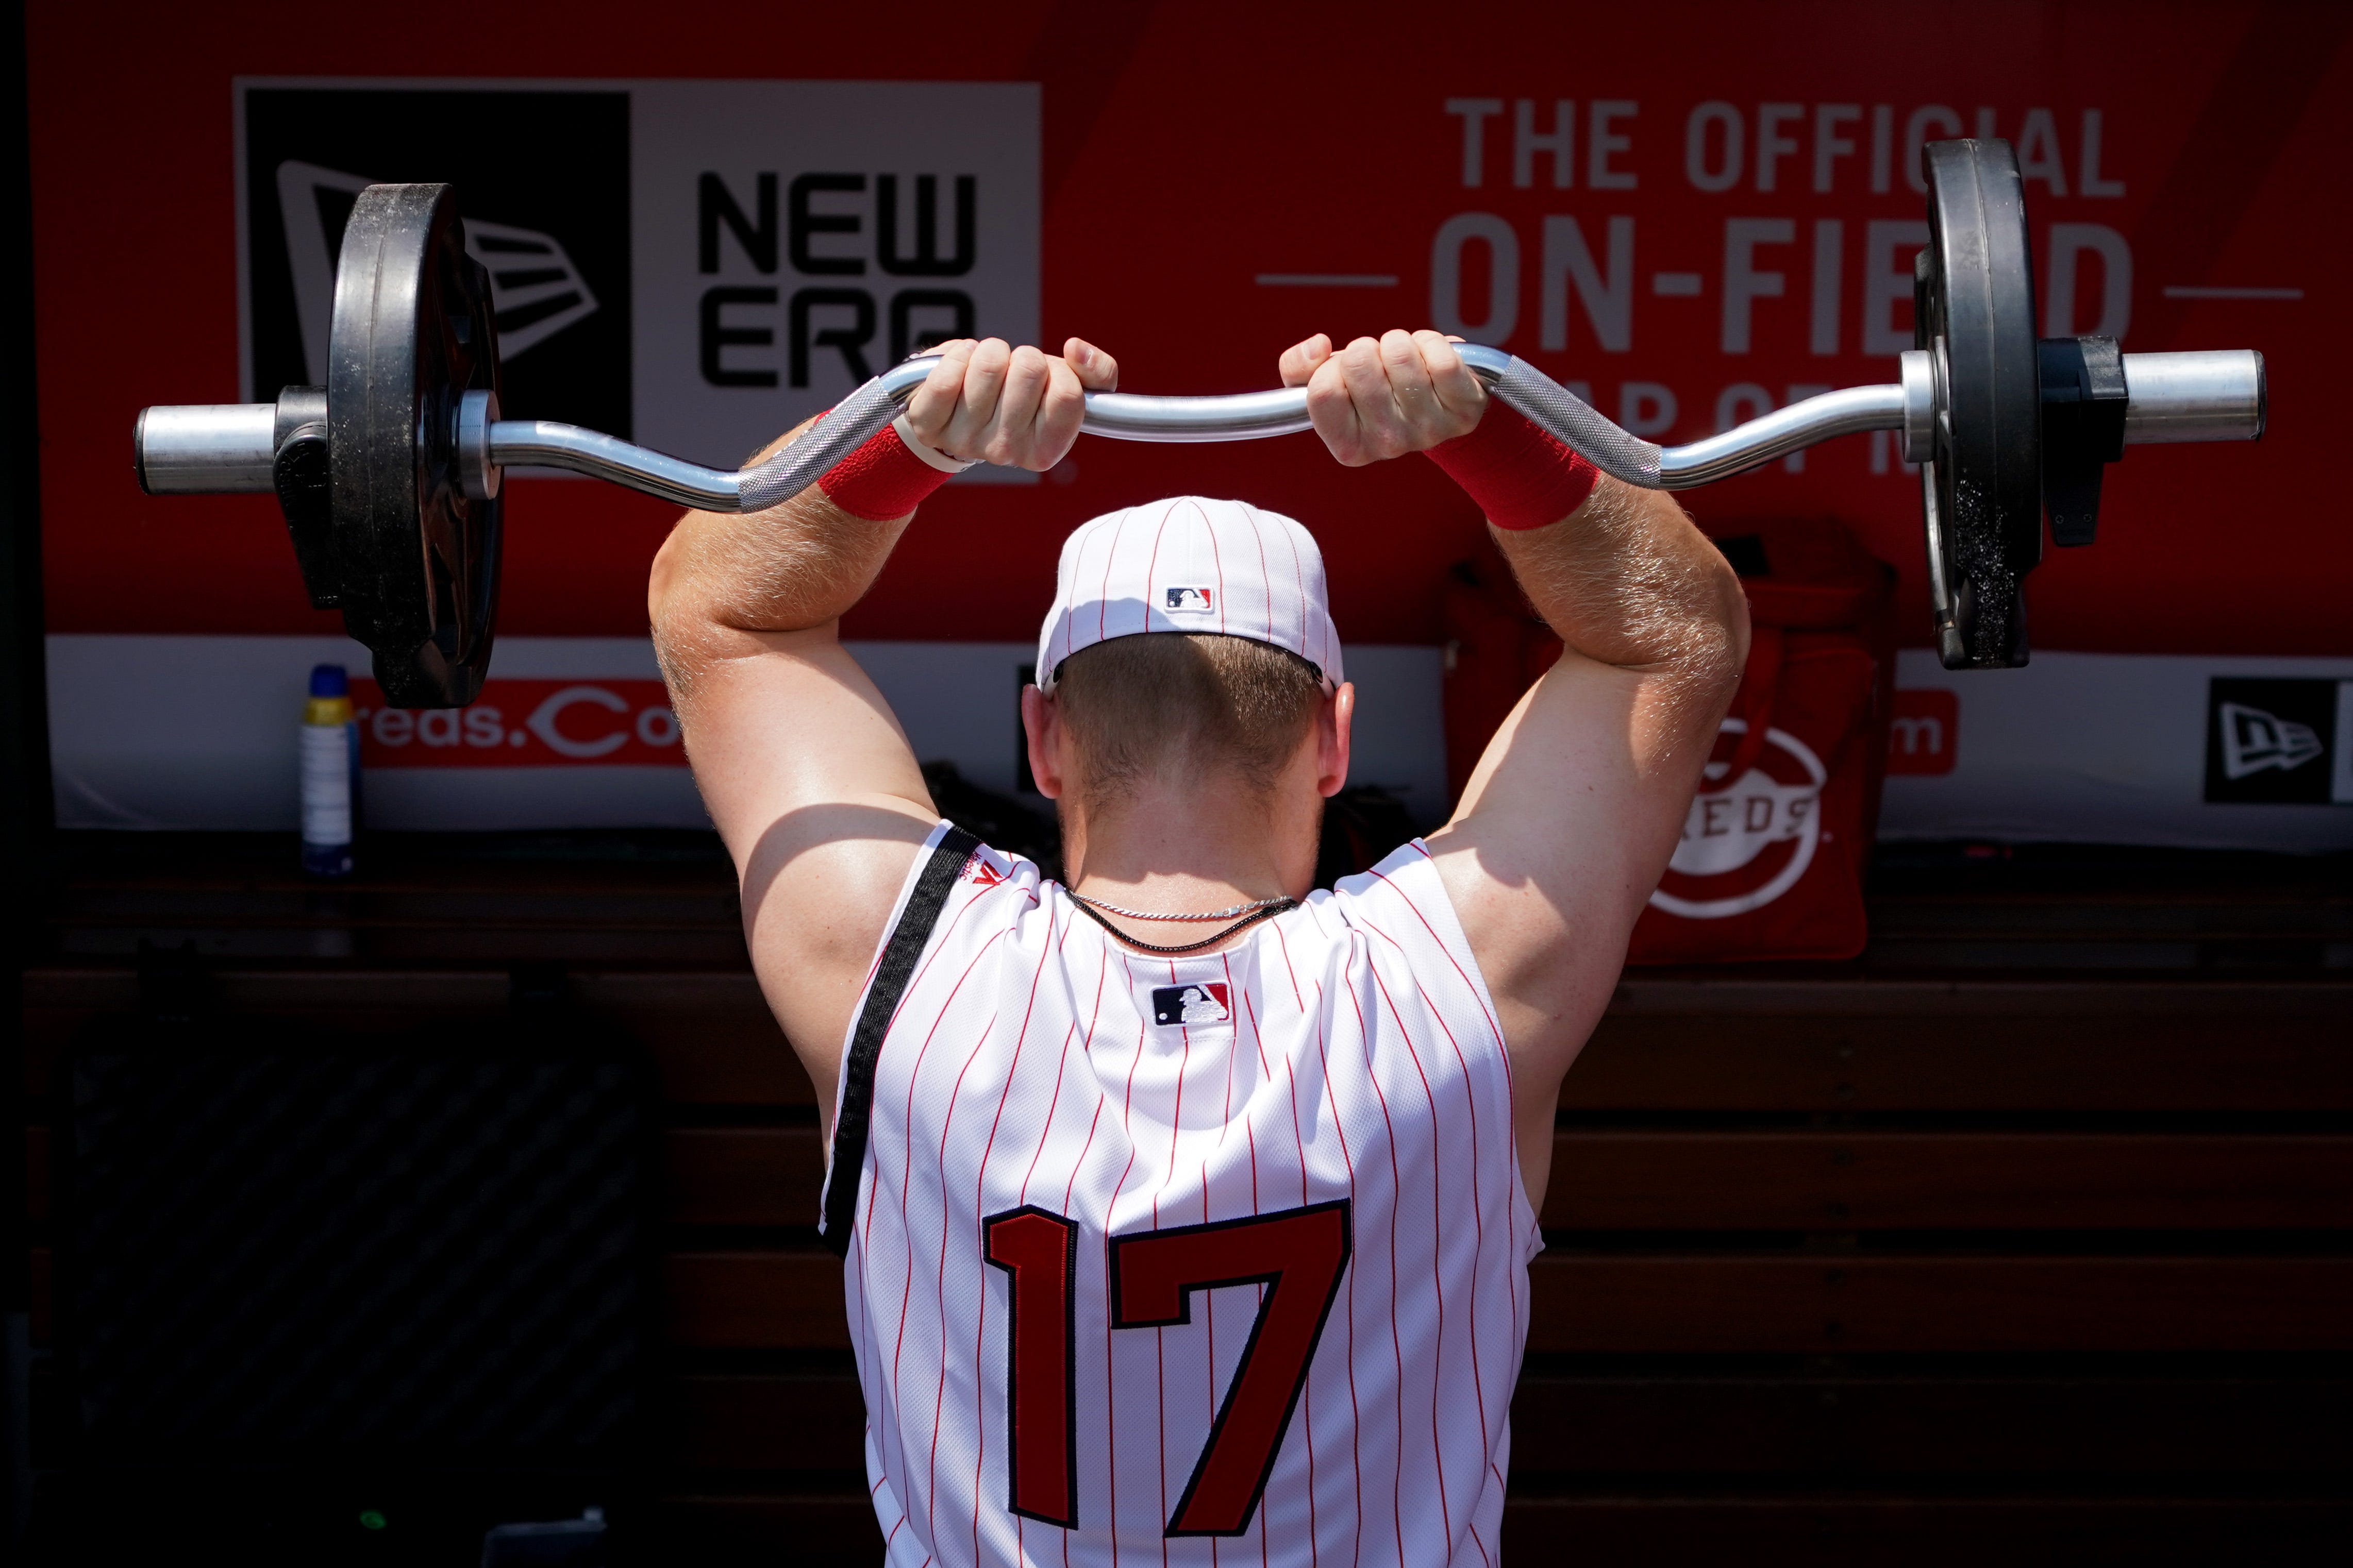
(1190, 565)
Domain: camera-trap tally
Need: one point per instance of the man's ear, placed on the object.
(1333, 727)
(1041, 732)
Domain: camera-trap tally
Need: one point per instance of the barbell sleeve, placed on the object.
(204, 448)
(2214, 394)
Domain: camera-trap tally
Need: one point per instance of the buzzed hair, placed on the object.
(1188, 708)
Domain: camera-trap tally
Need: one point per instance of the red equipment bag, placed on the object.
(1773, 850)
(1778, 840)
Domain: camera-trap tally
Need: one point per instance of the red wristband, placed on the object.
(1520, 477)
(882, 480)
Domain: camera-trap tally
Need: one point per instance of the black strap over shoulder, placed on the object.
(904, 946)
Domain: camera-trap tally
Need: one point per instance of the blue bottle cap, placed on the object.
(328, 681)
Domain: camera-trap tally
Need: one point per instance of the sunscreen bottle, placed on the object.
(329, 772)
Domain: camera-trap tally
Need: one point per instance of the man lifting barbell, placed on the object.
(1186, 1093)
(1292, 1140)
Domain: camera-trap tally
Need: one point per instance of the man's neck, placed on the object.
(1207, 845)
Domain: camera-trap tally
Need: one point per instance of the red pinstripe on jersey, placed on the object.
(1120, 1362)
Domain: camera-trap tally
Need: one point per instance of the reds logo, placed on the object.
(1748, 840)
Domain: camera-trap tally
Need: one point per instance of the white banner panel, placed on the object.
(200, 732)
(790, 239)
(2126, 748)
(159, 732)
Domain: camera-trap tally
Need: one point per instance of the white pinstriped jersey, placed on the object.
(1187, 1261)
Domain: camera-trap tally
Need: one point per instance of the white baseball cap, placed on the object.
(1189, 564)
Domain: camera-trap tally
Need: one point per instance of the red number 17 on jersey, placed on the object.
(1297, 1254)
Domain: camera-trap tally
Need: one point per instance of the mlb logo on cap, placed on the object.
(1192, 564)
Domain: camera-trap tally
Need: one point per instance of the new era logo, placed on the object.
(2279, 742)
(1209, 1002)
(536, 290)
(543, 179)
(1199, 601)
(2253, 740)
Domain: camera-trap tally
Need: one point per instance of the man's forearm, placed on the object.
(791, 568)
(1626, 579)
(1619, 573)
(720, 584)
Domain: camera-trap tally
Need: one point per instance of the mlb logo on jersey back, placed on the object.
(1200, 601)
(1205, 1001)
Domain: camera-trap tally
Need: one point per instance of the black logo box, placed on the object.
(1168, 1001)
(2310, 705)
(555, 160)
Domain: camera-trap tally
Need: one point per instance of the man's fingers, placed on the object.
(1300, 361)
(1459, 391)
(1408, 374)
(1333, 409)
(932, 409)
(1096, 371)
(983, 384)
(1012, 406)
(1366, 376)
(1059, 414)
(1011, 436)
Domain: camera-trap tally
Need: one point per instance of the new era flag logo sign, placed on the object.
(543, 180)
(2279, 742)
(2252, 740)
(1206, 1002)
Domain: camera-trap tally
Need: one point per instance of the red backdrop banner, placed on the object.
(1697, 212)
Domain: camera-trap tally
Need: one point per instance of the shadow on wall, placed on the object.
(1361, 824)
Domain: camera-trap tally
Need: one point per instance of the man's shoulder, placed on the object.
(958, 883)
(1402, 896)
(1405, 872)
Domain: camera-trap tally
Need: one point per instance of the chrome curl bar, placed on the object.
(2212, 395)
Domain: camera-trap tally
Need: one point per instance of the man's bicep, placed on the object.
(789, 723)
(815, 791)
(1593, 768)
(1563, 832)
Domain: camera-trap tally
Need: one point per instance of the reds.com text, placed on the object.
(524, 724)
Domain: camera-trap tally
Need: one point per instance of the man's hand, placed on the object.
(989, 403)
(1403, 392)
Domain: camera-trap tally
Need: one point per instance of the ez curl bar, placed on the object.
(389, 476)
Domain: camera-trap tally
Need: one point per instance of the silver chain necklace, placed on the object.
(1225, 914)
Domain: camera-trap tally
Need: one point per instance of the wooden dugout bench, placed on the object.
(2029, 1236)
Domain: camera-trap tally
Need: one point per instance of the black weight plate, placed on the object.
(1974, 310)
(416, 559)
